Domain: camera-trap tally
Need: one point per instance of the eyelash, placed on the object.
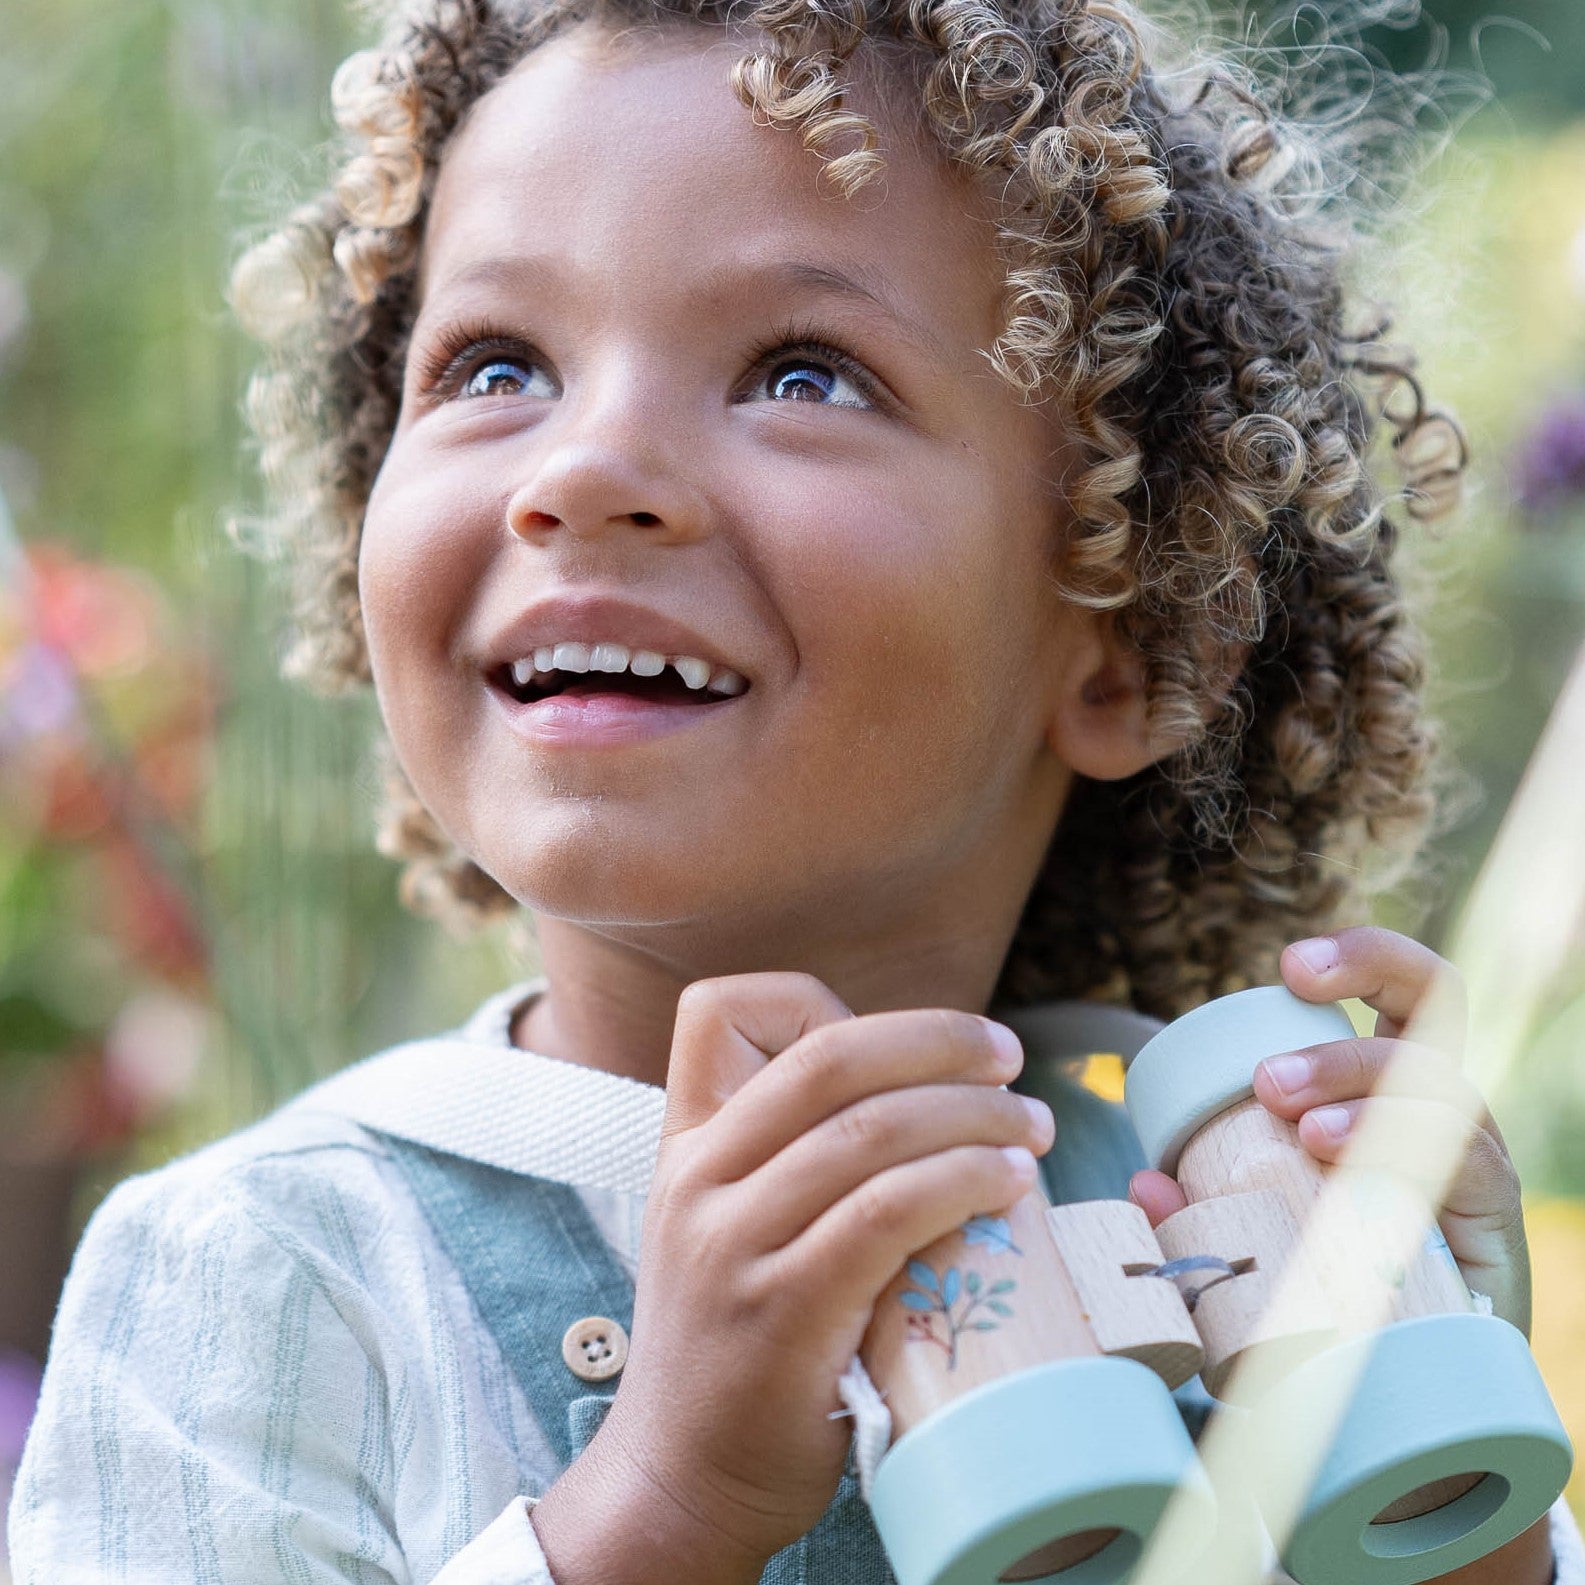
(795, 340)
(463, 348)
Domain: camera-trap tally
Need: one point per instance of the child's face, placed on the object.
(621, 276)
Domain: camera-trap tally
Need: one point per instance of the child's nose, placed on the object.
(590, 487)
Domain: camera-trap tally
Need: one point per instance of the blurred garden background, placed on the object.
(193, 922)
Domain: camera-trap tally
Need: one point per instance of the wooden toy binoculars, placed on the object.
(1027, 1358)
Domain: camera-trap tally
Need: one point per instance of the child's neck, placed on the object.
(611, 1003)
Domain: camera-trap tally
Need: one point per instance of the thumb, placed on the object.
(1157, 1195)
(728, 1029)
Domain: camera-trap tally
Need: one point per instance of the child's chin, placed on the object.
(603, 891)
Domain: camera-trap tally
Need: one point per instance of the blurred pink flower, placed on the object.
(103, 619)
(104, 738)
(77, 803)
(147, 913)
(154, 1050)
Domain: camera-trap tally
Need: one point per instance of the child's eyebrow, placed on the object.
(827, 281)
(514, 273)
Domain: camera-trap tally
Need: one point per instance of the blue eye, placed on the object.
(806, 379)
(510, 377)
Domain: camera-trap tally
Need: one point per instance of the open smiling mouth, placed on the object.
(680, 680)
(667, 688)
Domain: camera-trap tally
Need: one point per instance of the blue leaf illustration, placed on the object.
(916, 1301)
(980, 1326)
(1006, 1285)
(1000, 1308)
(972, 1282)
(993, 1232)
(923, 1275)
(950, 1284)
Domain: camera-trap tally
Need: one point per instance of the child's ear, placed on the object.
(1099, 725)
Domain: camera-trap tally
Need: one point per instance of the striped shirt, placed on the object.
(266, 1372)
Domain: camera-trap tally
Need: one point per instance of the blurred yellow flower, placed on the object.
(1557, 1254)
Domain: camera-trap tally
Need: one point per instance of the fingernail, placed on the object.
(1021, 1160)
(1318, 954)
(1289, 1074)
(1009, 1049)
(1331, 1120)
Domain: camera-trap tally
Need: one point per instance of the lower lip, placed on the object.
(602, 720)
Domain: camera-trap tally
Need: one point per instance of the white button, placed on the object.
(594, 1348)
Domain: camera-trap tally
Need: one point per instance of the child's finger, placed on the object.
(1385, 970)
(1157, 1195)
(855, 1249)
(1292, 1083)
(1485, 1182)
(1481, 1214)
(842, 1063)
(833, 1158)
(727, 1030)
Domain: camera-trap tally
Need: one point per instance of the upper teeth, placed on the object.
(694, 672)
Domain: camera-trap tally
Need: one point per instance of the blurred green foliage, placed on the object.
(138, 143)
(1528, 51)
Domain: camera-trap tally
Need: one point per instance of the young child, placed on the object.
(856, 516)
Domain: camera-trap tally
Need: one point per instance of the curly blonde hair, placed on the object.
(1171, 282)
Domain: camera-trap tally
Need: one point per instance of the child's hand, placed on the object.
(788, 1194)
(1481, 1218)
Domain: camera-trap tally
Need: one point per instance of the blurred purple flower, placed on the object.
(19, 1396)
(1549, 466)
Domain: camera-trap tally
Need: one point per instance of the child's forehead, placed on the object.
(639, 148)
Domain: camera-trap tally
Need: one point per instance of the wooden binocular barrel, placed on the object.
(1021, 1450)
(1449, 1445)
